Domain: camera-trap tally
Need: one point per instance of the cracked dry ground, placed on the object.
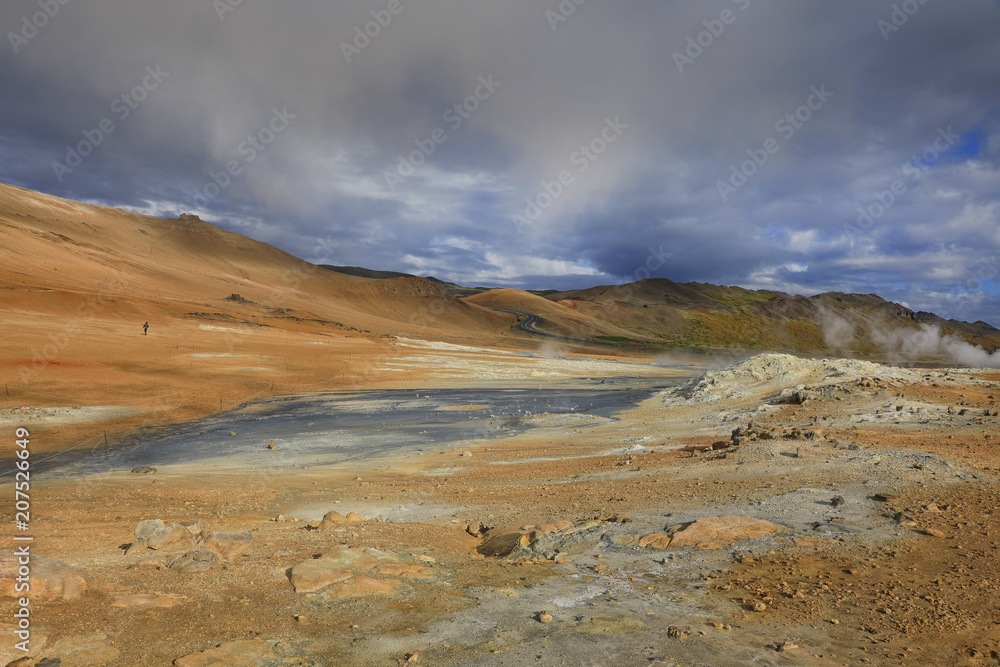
(902, 571)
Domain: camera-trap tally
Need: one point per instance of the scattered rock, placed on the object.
(837, 501)
(228, 545)
(135, 548)
(676, 633)
(272, 445)
(82, 651)
(467, 454)
(329, 519)
(413, 657)
(541, 542)
(245, 653)
(553, 526)
(143, 470)
(544, 617)
(194, 527)
(360, 586)
(338, 573)
(50, 579)
(145, 529)
(714, 532)
(933, 532)
(158, 535)
(9, 654)
(354, 518)
(655, 541)
(477, 529)
(198, 560)
(759, 606)
(154, 601)
(168, 535)
(314, 575)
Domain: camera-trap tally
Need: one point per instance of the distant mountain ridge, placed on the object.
(61, 257)
(658, 312)
(697, 314)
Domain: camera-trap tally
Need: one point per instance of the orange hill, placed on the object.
(229, 316)
(561, 318)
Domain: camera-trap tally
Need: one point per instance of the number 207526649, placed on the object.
(22, 484)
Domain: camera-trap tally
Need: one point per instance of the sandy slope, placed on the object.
(78, 281)
(559, 318)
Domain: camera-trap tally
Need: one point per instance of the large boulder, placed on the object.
(148, 601)
(228, 545)
(715, 532)
(355, 572)
(10, 653)
(333, 518)
(85, 651)
(245, 653)
(156, 534)
(314, 575)
(50, 579)
(145, 529)
(544, 541)
(198, 560)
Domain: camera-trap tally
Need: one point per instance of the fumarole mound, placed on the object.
(766, 373)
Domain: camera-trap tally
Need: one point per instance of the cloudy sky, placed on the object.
(797, 146)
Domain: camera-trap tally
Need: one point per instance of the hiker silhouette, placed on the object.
(144, 328)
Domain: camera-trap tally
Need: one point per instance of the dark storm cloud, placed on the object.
(749, 134)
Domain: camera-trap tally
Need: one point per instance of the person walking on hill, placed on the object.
(145, 327)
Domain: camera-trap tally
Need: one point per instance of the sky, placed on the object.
(796, 146)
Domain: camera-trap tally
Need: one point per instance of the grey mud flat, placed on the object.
(330, 428)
